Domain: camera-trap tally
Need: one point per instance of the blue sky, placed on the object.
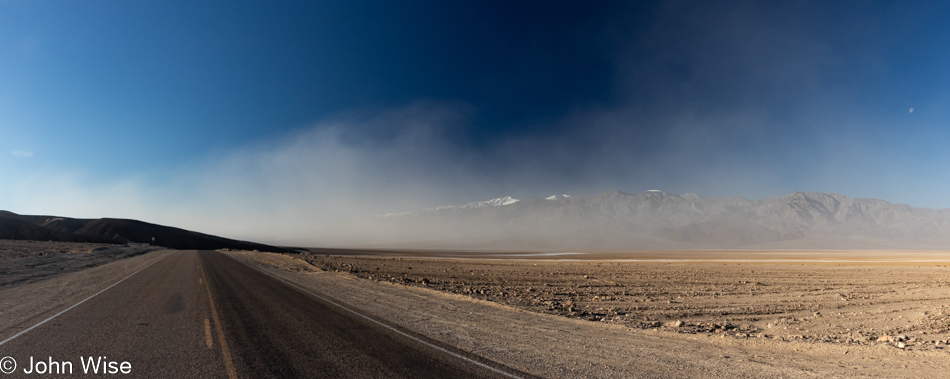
(223, 116)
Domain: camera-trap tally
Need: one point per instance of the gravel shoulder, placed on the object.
(62, 275)
(547, 342)
(32, 261)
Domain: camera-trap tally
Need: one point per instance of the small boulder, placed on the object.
(674, 324)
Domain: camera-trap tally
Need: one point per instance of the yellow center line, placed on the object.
(228, 364)
(208, 340)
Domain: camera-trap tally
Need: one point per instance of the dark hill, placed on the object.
(118, 231)
(23, 230)
(57, 224)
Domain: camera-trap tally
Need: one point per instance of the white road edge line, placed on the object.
(459, 356)
(77, 304)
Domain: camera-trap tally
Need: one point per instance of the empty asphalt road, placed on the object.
(201, 314)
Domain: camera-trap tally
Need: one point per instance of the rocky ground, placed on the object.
(32, 261)
(900, 305)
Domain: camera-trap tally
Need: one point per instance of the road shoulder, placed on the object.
(24, 305)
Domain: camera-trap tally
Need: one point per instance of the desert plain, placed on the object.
(709, 313)
(592, 314)
(857, 298)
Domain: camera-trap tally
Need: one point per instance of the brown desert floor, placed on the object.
(758, 319)
(831, 297)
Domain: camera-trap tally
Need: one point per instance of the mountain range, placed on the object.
(612, 220)
(659, 220)
(117, 231)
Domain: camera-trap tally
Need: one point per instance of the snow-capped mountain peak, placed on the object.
(501, 201)
(507, 200)
(557, 197)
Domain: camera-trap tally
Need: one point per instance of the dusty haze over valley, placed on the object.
(654, 219)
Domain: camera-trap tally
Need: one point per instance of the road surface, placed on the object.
(202, 314)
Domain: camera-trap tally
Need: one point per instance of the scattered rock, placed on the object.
(639, 298)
